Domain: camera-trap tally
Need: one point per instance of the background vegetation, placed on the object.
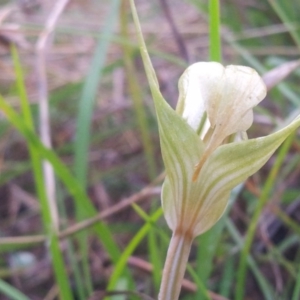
(74, 94)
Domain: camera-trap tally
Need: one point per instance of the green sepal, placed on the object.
(180, 146)
(197, 206)
(228, 166)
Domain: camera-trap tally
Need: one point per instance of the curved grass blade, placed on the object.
(54, 247)
(83, 134)
(11, 292)
(135, 241)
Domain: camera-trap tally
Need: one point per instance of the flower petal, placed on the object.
(227, 94)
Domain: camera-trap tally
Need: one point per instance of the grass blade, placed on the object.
(214, 31)
(88, 96)
(261, 280)
(11, 292)
(135, 241)
(54, 247)
(66, 177)
(242, 270)
(85, 112)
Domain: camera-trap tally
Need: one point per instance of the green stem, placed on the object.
(214, 31)
(175, 265)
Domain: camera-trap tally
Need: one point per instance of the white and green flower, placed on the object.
(204, 144)
(206, 153)
(205, 150)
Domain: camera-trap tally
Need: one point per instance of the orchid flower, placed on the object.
(205, 150)
(206, 153)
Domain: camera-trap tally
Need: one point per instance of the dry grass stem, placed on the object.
(146, 192)
(45, 132)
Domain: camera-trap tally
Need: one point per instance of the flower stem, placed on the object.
(175, 265)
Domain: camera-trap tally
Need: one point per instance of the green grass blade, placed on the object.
(54, 247)
(70, 249)
(201, 289)
(227, 277)
(11, 292)
(66, 177)
(261, 279)
(135, 241)
(242, 270)
(206, 251)
(85, 112)
(214, 31)
(25, 108)
(88, 96)
(296, 292)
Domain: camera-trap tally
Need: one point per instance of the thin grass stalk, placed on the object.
(262, 281)
(70, 249)
(282, 262)
(214, 31)
(154, 254)
(88, 96)
(262, 201)
(205, 294)
(296, 292)
(36, 160)
(175, 265)
(135, 241)
(286, 219)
